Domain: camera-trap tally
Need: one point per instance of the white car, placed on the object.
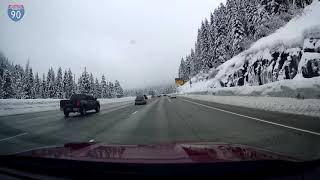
(173, 96)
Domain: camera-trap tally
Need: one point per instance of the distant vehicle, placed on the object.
(79, 103)
(173, 96)
(140, 100)
(145, 96)
(165, 95)
(159, 95)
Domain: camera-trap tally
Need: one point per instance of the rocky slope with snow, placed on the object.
(292, 52)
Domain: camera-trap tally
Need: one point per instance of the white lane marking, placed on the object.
(256, 119)
(169, 99)
(91, 140)
(13, 137)
(134, 112)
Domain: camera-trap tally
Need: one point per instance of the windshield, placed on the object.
(161, 72)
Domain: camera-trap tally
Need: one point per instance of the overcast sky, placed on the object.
(138, 42)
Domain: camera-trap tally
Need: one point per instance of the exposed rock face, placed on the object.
(272, 65)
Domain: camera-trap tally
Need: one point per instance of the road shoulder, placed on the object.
(309, 123)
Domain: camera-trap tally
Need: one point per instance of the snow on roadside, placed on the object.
(22, 106)
(309, 107)
(299, 86)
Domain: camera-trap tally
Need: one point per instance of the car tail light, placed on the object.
(78, 103)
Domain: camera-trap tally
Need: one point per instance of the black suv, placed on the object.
(79, 103)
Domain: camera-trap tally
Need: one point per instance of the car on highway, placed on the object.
(159, 95)
(79, 103)
(140, 100)
(173, 96)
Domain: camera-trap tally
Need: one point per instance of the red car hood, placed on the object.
(168, 153)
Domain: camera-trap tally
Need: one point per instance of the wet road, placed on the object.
(164, 120)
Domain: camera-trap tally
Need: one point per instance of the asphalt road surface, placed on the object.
(165, 120)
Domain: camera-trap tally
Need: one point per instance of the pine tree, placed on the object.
(1, 86)
(17, 80)
(37, 86)
(212, 41)
(43, 87)
(25, 82)
(91, 84)
(236, 36)
(104, 91)
(97, 89)
(192, 64)
(65, 84)
(84, 82)
(222, 45)
(206, 61)
(118, 89)
(111, 91)
(7, 86)
(71, 87)
(75, 86)
(59, 84)
(2, 78)
(50, 86)
(30, 85)
(197, 55)
(182, 69)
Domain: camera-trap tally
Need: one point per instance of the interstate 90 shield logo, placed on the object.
(15, 12)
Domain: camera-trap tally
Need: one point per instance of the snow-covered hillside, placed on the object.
(292, 52)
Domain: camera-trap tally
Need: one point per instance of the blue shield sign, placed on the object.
(15, 12)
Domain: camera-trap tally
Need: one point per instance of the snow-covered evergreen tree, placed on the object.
(37, 86)
(104, 90)
(26, 82)
(193, 71)
(182, 69)
(71, 86)
(50, 86)
(84, 82)
(97, 89)
(43, 88)
(30, 86)
(8, 91)
(205, 59)
(59, 84)
(91, 84)
(65, 84)
(220, 28)
(111, 90)
(17, 80)
(118, 89)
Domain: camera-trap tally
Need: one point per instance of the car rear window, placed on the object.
(139, 98)
(78, 96)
